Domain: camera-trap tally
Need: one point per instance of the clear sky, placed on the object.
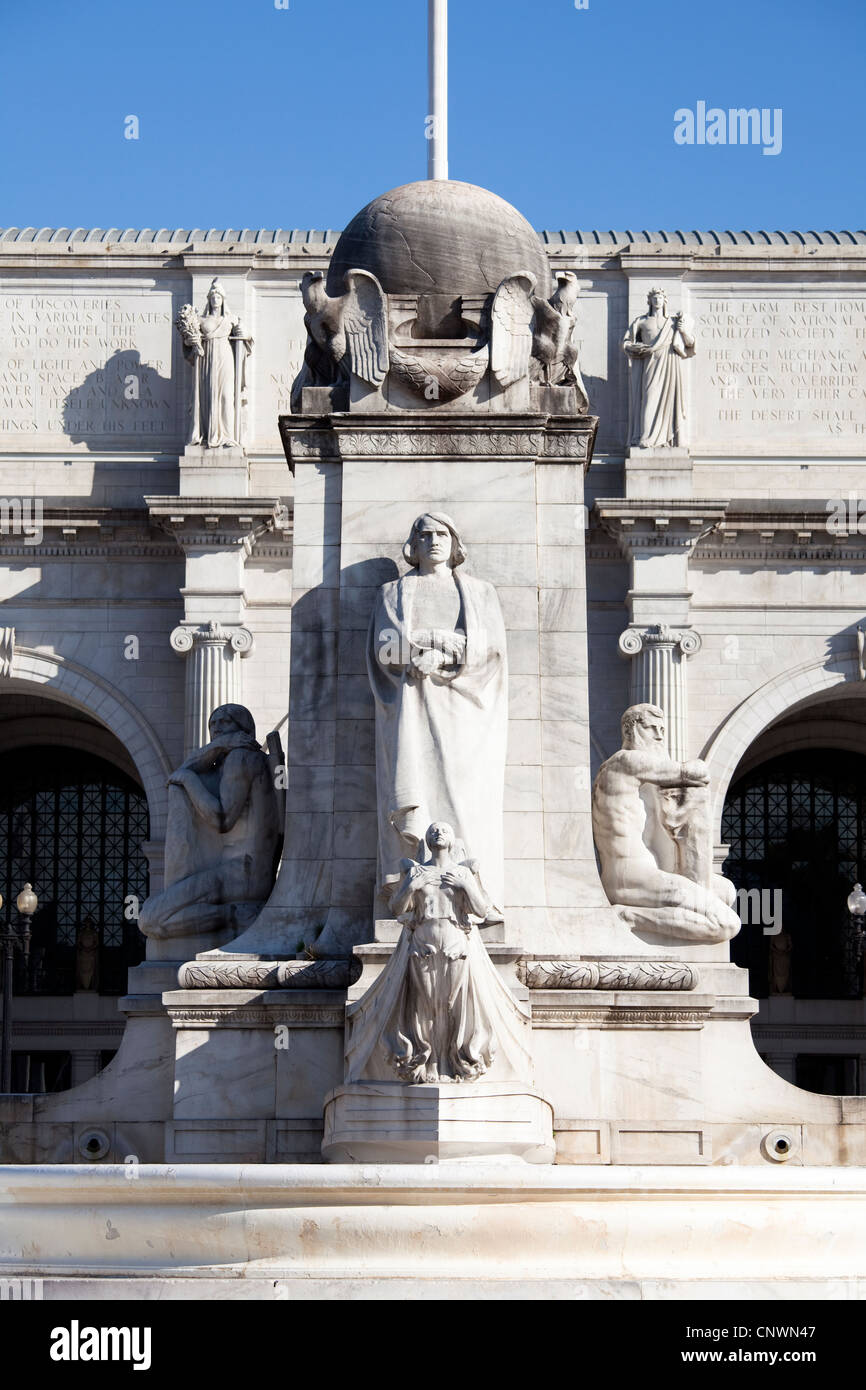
(254, 116)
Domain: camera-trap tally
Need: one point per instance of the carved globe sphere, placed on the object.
(439, 237)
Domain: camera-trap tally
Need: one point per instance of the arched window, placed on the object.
(72, 825)
(796, 826)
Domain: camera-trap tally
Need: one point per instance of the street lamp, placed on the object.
(12, 938)
(857, 901)
(857, 909)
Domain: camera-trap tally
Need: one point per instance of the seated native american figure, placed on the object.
(650, 820)
(222, 837)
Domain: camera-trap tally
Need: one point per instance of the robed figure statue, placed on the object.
(437, 664)
(439, 1011)
(216, 346)
(656, 347)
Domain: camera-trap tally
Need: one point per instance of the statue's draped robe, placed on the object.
(216, 382)
(191, 844)
(456, 1016)
(213, 876)
(656, 403)
(441, 739)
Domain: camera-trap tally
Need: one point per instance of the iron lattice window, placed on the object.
(797, 824)
(73, 825)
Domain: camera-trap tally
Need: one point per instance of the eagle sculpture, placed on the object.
(345, 334)
(531, 336)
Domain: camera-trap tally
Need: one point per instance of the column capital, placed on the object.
(659, 635)
(186, 636)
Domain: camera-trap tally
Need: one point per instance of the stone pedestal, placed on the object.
(658, 473)
(207, 472)
(514, 486)
(388, 1122)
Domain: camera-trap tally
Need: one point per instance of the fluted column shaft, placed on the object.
(214, 674)
(658, 676)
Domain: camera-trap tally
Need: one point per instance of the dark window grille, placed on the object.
(797, 824)
(73, 825)
(827, 1073)
(40, 1073)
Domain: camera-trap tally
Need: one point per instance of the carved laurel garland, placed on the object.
(252, 974)
(565, 974)
(558, 974)
(483, 442)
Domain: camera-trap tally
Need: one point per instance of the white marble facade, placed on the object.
(720, 542)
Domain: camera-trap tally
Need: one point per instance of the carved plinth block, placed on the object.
(324, 400)
(207, 472)
(386, 1122)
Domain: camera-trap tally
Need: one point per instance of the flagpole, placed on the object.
(437, 72)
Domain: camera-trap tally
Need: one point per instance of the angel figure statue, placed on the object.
(216, 346)
(439, 1011)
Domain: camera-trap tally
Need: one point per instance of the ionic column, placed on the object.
(658, 676)
(213, 673)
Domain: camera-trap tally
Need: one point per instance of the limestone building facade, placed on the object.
(146, 580)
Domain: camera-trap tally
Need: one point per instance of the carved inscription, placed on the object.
(783, 366)
(82, 364)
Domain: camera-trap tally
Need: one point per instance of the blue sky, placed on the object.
(263, 117)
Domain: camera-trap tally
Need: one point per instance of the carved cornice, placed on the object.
(256, 1015)
(548, 1011)
(64, 531)
(665, 524)
(454, 435)
(74, 1028)
(218, 522)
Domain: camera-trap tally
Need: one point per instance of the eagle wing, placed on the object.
(511, 329)
(365, 324)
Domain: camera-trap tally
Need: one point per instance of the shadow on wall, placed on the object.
(332, 723)
(124, 399)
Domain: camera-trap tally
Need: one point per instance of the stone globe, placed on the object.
(440, 237)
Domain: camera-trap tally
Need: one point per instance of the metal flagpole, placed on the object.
(437, 72)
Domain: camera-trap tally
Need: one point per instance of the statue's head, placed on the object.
(643, 726)
(231, 719)
(440, 836)
(216, 300)
(434, 537)
(657, 299)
